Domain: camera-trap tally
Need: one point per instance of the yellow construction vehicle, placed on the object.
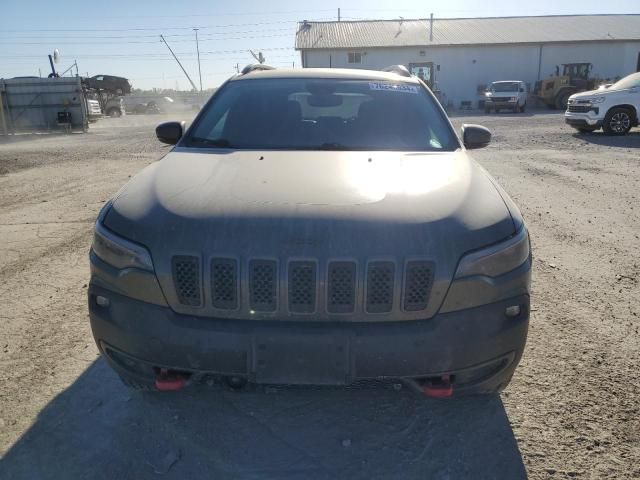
(556, 90)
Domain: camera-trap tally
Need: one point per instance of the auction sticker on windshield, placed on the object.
(393, 87)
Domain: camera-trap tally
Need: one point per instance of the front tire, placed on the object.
(618, 121)
(523, 107)
(562, 100)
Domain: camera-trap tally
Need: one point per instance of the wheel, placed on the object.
(135, 384)
(523, 107)
(617, 121)
(516, 109)
(562, 100)
(114, 112)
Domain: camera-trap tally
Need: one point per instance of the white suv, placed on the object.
(614, 109)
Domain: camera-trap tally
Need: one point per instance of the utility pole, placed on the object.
(198, 50)
(176, 58)
(338, 14)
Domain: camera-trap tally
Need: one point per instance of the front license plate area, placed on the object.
(301, 359)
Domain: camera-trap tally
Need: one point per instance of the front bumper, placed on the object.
(479, 347)
(500, 104)
(583, 120)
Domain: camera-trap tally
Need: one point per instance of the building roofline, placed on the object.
(484, 44)
(472, 18)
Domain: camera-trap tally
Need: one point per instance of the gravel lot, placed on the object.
(572, 410)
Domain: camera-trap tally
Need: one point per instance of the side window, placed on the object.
(100, 78)
(354, 57)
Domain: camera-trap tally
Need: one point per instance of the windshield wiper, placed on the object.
(215, 142)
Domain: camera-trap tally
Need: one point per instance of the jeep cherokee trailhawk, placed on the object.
(314, 226)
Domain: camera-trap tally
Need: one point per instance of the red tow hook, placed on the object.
(443, 389)
(169, 381)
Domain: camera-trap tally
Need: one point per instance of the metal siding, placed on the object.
(467, 31)
(32, 104)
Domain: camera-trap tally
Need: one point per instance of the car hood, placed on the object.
(312, 204)
(596, 93)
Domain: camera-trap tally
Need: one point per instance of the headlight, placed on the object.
(119, 252)
(598, 100)
(497, 259)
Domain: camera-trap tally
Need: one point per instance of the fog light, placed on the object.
(512, 311)
(102, 301)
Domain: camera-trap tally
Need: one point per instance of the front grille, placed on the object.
(302, 287)
(579, 108)
(263, 282)
(186, 278)
(224, 283)
(259, 287)
(500, 99)
(380, 280)
(341, 296)
(417, 285)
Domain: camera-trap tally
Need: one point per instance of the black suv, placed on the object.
(109, 83)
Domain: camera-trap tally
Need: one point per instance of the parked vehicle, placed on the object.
(94, 112)
(313, 226)
(114, 107)
(109, 83)
(506, 95)
(614, 109)
(556, 90)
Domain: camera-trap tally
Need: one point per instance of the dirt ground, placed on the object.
(572, 410)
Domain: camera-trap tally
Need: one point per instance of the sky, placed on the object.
(121, 37)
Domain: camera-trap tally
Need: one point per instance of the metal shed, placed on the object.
(42, 104)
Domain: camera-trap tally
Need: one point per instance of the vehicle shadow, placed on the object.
(630, 140)
(98, 429)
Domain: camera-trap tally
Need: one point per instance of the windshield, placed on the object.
(629, 81)
(317, 114)
(504, 87)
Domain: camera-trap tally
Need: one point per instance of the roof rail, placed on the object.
(254, 67)
(398, 69)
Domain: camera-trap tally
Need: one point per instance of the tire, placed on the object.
(523, 107)
(562, 100)
(135, 384)
(617, 121)
(114, 112)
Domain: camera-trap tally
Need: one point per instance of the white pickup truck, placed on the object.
(614, 109)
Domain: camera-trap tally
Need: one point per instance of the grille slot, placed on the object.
(224, 283)
(380, 279)
(342, 287)
(186, 279)
(417, 285)
(263, 281)
(580, 108)
(302, 287)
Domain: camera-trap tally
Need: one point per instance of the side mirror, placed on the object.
(170, 132)
(475, 136)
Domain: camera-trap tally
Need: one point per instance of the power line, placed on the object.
(158, 29)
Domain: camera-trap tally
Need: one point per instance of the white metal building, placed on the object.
(462, 55)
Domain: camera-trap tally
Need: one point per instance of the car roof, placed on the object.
(333, 73)
(508, 81)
